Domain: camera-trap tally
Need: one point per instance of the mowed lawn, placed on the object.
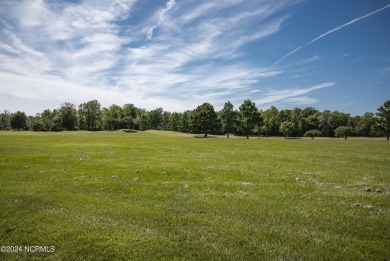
(171, 196)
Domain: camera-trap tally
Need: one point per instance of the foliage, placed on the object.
(203, 118)
(5, 120)
(18, 120)
(288, 128)
(90, 115)
(313, 133)
(249, 117)
(247, 121)
(384, 116)
(343, 131)
(228, 115)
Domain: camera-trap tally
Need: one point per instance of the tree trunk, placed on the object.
(227, 135)
(205, 135)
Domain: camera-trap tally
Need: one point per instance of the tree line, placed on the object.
(247, 120)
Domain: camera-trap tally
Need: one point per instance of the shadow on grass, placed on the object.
(203, 137)
(293, 138)
(130, 131)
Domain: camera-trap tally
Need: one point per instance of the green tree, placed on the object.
(363, 124)
(91, 113)
(323, 119)
(5, 120)
(18, 120)
(271, 121)
(384, 117)
(312, 134)
(165, 121)
(228, 115)
(338, 119)
(155, 118)
(203, 118)
(143, 119)
(185, 122)
(69, 116)
(249, 117)
(344, 131)
(174, 121)
(288, 128)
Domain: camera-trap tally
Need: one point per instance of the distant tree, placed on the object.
(363, 124)
(155, 118)
(249, 117)
(46, 119)
(271, 122)
(90, 115)
(5, 120)
(130, 110)
(185, 122)
(203, 118)
(165, 121)
(308, 120)
(37, 126)
(128, 121)
(18, 120)
(288, 128)
(143, 119)
(313, 133)
(228, 115)
(324, 125)
(56, 124)
(174, 121)
(69, 116)
(384, 117)
(338, 119)
(344, 131)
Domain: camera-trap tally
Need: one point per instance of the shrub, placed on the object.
(343, 131)
(313, 133)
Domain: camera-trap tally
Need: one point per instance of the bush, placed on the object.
(313, 133)
(343, 131)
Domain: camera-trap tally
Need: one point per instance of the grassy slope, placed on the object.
(162, 195)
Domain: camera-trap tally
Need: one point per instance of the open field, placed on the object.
(164, 195)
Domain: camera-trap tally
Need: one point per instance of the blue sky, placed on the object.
(177, 54)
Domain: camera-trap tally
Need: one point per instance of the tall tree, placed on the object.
(228, 115)
(155, 118)
(249, 117)
(91, 113)
(203, 118)
(384, 116)
(5, 118)
(174, 121)
(69, 116)
(271, 121)
(338, 119)
(18, 120)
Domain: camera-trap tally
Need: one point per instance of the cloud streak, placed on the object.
(98, 50)
(331, 31)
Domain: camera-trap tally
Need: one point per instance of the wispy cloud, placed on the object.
(161, 16)
(291, 96)
(331, 31)
(51, 52)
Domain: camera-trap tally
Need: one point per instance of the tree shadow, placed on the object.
(130, 131)
(203, 137)
(293, 138)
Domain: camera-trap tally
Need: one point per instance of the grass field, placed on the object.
(170, 196)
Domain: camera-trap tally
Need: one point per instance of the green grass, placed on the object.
(170, 196)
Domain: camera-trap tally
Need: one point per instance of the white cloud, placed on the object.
(291, 96)
(54, 52)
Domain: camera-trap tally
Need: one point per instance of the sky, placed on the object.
(178, 54)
